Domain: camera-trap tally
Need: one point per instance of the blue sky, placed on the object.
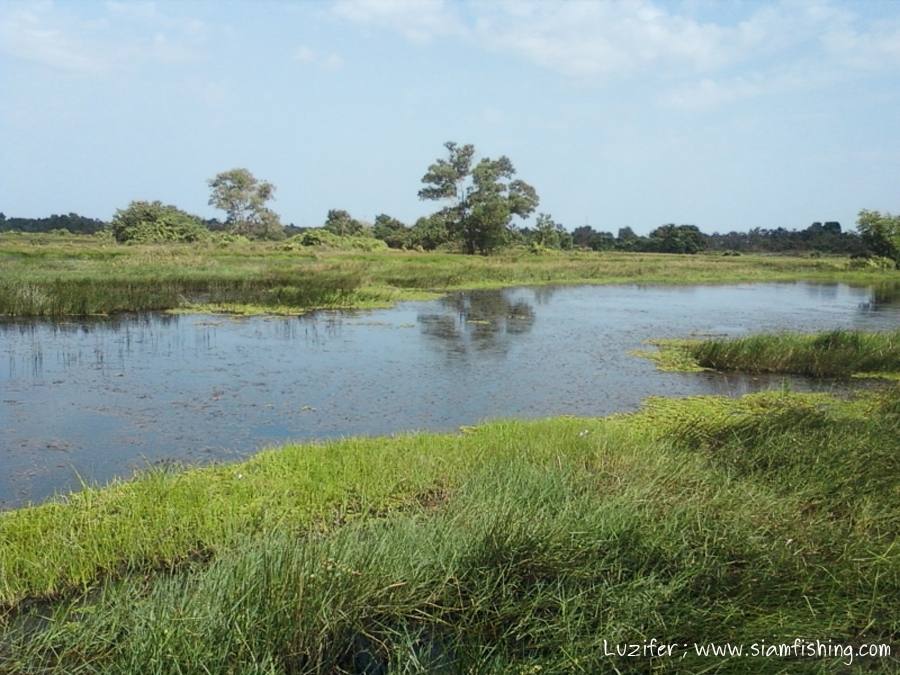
(722, 114)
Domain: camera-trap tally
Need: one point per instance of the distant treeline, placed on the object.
(826, 237)
(71, 222)
(481, 205)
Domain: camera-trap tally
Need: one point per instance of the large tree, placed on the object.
(481, 200)
(880, 233)
(243, 198)
(673, 238)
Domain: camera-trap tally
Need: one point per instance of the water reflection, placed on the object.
(481, 321)
(883, 297)
(95, 399)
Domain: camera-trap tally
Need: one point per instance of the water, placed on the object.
(90, 400)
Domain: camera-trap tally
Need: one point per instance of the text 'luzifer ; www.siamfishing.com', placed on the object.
(799, 648)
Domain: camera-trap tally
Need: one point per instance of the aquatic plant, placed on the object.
(839, 353)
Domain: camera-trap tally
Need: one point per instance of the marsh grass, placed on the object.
(46, 276)
(839, 353)
(511, 547)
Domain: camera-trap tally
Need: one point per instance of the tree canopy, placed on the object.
(71, 222)
(678, 239)
(154, 222)
(880, 233)
(342, 224)
(482, 199)
(243, 198)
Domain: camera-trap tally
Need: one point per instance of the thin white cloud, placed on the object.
(332, 61)
(418, 20)
(873, 49)
(133, 9)
(304, 54)
(308, 56)
(28, 34)
(696, 62)
(120, 35)
(586, 39)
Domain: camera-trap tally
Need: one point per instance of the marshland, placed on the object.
(379, 337)
(636, 501)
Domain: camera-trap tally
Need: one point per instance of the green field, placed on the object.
(50, 275)
(509, 547)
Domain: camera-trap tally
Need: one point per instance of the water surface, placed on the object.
(90, 400)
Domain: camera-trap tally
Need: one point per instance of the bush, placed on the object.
(872, 262)
(155, 222)
(323, 238)
(228, 238)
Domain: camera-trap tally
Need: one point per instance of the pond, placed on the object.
(92, 400)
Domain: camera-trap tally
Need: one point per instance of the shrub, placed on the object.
(155, 222)
(323, 238)
(873, 262)
(228, 238)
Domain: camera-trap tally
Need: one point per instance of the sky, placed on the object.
(726, 115)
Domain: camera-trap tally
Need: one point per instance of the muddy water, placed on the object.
(97, 399)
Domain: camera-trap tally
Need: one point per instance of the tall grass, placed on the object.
(45, 276)
(838, 353)
(115, 293)
(514, 547)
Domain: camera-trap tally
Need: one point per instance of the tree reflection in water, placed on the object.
(478, 321)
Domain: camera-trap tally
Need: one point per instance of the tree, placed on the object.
(342, 224)
(545, 232)
(155, 222)
(243, 198)
(880, 233)
(430, 232)
(587, 237)
(391, 231)
(482, 200)
(678, 239)
(550, 234)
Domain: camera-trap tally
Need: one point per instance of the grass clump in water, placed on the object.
(839, 353)
(513, 547)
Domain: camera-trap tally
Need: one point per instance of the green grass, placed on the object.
(42, 275)
(510, 547)
(839, 353)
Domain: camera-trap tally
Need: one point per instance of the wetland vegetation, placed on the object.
(54, 275)
(838, 353)
(512, 545)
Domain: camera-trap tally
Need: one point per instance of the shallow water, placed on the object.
(90, 400)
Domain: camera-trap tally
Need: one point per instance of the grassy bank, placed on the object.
(55, 276)
(510, 547)
(838, 353)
